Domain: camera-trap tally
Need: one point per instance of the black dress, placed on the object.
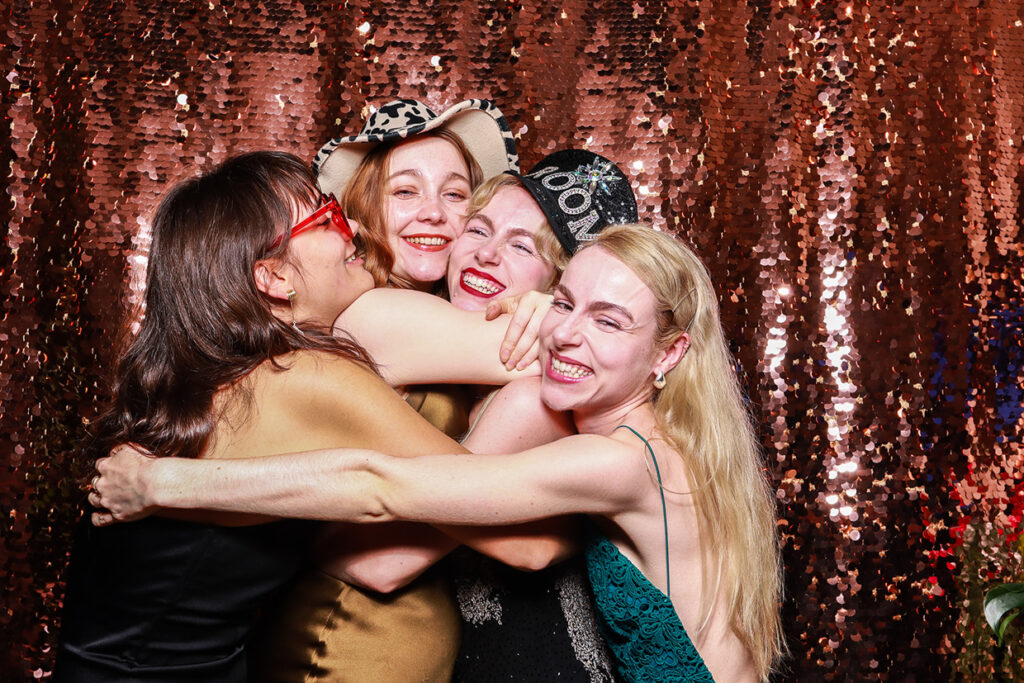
(526, 626)
(166, 600)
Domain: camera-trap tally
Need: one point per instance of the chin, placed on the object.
(555, 399)
(425, 275)
(467, 302)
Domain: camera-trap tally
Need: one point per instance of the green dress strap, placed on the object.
(664, 511)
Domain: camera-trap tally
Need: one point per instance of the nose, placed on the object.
(488, 253)
(432, 210)
(566, 332)
(354, 227)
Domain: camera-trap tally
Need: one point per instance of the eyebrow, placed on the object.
(598, 305)
(521, 232)
(514, 232)
(418, 174)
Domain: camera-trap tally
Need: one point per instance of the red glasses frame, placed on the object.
(338, 222)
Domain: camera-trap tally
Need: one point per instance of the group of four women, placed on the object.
(282, 312)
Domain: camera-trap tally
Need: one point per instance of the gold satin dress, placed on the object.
(328, 630)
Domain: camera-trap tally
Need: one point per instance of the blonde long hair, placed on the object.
(701, 410)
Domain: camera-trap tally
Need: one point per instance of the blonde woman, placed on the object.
(684, 558)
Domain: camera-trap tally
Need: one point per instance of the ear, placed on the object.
(273, 278)
(670, 356)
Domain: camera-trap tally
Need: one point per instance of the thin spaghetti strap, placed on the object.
(664, 511)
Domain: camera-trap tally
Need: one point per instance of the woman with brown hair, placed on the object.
(407, 176)
(235, 350)
(683, 558)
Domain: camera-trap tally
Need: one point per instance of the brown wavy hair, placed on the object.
(365, 199)
(206, 325)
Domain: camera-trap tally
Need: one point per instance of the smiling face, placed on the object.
(598, 340)
(327, 275)
(427, 190)
(497, 255)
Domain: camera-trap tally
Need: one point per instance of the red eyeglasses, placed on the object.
(337, 222)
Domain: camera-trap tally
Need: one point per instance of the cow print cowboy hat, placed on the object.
(479, 123)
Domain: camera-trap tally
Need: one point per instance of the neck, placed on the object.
(638, 413)
(285, 314)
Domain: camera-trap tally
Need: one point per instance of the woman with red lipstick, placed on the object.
(250, 266)
(683, 558)
(407, 178)
(535, 625)
(506, 249)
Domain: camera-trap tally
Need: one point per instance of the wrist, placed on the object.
(156, 480)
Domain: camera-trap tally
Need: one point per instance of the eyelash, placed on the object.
(561, 305)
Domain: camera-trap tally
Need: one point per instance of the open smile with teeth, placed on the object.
(483, 286)
(570, 370)
(427, 242)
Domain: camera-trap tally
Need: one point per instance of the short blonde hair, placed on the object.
(550, 249)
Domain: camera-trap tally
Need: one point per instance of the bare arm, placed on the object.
(515, 419)
(387, 557)
(579, 474)
(336, 403)
(417, 338)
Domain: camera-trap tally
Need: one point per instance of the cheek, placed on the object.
(547, 326)
(528, 275)
(398, 216)
(457, 215)
(462, 251)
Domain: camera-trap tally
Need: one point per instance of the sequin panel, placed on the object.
(850, 171)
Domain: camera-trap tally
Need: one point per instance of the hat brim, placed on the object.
(478, 123)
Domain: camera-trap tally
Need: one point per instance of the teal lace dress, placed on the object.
(637, 620)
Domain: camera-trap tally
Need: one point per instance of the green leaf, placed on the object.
(1001, 604)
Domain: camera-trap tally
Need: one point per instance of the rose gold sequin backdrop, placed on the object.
(850, 172)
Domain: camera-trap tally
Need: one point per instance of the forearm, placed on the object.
(346, 487)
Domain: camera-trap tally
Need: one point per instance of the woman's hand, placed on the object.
(520, 347)
(119, 491)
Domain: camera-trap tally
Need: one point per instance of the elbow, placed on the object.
(375, 571)
(537, 556)
(380, 584)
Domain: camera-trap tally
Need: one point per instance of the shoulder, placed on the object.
(319, 380)
(317, 366)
